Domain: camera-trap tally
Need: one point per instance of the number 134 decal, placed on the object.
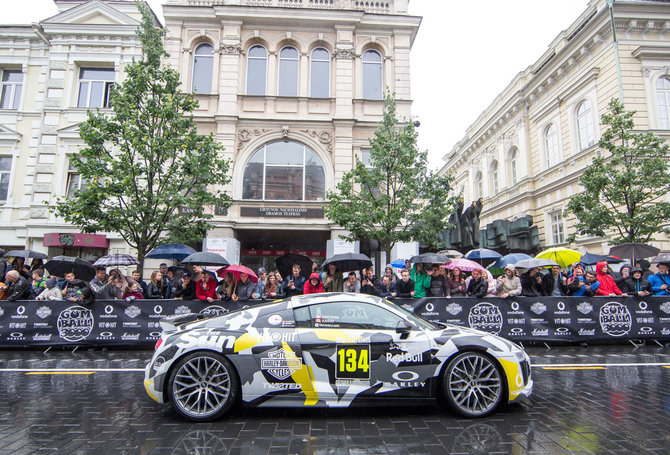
(353, 361)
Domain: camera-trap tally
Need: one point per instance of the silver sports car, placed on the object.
(334, 350)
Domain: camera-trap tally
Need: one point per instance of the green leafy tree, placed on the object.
(394, 198)
(149, 173)
(625, 189)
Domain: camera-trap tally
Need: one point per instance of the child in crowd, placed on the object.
(51, 291)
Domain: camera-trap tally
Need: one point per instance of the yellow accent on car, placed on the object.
(305, 378)
(246, 341)
(147, 386)
(514, 377)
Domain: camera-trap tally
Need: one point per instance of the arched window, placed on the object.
(494, 185)
(203, 64)
(513, 163)
(372, 75)
(320, 74)
(284, 170)
(663, 101)
(288, 72)
(257, 59)
(551, 145)
(585, 134)
(479, 192)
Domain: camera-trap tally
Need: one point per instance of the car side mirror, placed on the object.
(403, 328)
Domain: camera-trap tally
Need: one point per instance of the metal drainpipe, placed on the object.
(610, 4)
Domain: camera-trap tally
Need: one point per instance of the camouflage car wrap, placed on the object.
(319, 351)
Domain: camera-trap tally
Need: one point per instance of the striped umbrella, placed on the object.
(115, 260)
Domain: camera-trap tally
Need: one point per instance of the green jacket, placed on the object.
(421, 282)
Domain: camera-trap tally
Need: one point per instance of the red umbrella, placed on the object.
(236, 270)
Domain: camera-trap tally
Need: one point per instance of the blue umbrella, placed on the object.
(398, 263)
(482, 253)
(171, 251)
(590, 259)
(512, 258)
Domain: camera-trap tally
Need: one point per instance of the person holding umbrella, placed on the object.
(509, 285)
(531, 282)
(244, 288)
(294, 283)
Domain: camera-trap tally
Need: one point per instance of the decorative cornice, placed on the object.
(341, 53)
(245, 135)
(324, 138)
(230, 49)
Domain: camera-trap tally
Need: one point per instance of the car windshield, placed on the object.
(420, 322)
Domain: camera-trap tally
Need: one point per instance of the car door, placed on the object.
(355, 352)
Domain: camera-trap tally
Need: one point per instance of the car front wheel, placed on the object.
(203, 386)
(473, 384)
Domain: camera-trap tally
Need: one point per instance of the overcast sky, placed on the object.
(465, 54)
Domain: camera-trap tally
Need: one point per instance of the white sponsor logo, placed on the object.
(75, 323)
(665, 307)
(430, 307)
(130, 336)
(404, 357)
(665, 331)
(540, 332)
(2, 312)
(615, 319)
(404, 385)
(281, 386)
(643, 305)
(538, 308)
(515, 306)
(217, 341)
(454, 309)
(562, 330)
(109, 309)
(213, 311)
(15, 336)
(587, 332)
(585, 308)
(516, 330)
(405, 376)
(275, 319)
(182, 309)
(133, 311)
(487, 317)
(158, 363)
(646, 329)
(42, 337)
(277, 337)
(43, 312)
(281, 363)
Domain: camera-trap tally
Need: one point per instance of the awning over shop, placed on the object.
(78, 240)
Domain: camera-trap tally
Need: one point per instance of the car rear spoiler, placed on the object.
(171, 322)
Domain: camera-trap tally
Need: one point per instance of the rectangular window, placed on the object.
(94, 87)
(74, 182)
(557, 229)
(12, 84)
(5, 170)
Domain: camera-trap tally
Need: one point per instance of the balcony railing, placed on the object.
(369, 6)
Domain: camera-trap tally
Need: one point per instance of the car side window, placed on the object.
(350, 315)
(302, 318)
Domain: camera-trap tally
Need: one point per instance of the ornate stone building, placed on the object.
(525, 153)
(292, 88)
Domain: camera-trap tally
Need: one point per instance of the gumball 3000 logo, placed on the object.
(213, 311)
(615, 319)
(486, 317)
(75, 323)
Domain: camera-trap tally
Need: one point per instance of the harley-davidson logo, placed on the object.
(454, 309)
(132, 311)
(665, 307)
(585, 308)
(281, 363)
(538, 308)
(43, 312)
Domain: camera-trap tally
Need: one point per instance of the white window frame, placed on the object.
(72, 174)
(494, 170)
(15, 89)
(551, 145)
(8, 175)
(514, 165)
(556, 224)
(202, 56)
(107, 86)
(279, 71)
(311, 71)
(381, 73)
(265, 76)
(585, 127)
(478, 185)
(662, 95)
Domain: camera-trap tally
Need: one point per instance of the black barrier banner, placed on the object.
(544, 319)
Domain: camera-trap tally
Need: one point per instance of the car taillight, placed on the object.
(158, 344)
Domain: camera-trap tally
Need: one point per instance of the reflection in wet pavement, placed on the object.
(600, 410)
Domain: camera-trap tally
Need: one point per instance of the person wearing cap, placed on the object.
(636, 284)
(262, 281)
(509, 285)
(660, 282)
(186, 289)
(51, 291)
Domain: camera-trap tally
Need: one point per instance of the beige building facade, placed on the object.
(525, 153)
(291, 88)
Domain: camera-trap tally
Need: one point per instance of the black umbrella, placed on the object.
(205, 258)
(590, 259)
(285, 264)
(60, 265)
(170, 251)
(634, 250)
(347, 262)
(429, 258)
(26, 254)
(661, 259)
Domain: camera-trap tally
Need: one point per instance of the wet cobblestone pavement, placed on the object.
(596, 400)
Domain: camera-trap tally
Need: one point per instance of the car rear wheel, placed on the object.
(473, 384)
(203, 386)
